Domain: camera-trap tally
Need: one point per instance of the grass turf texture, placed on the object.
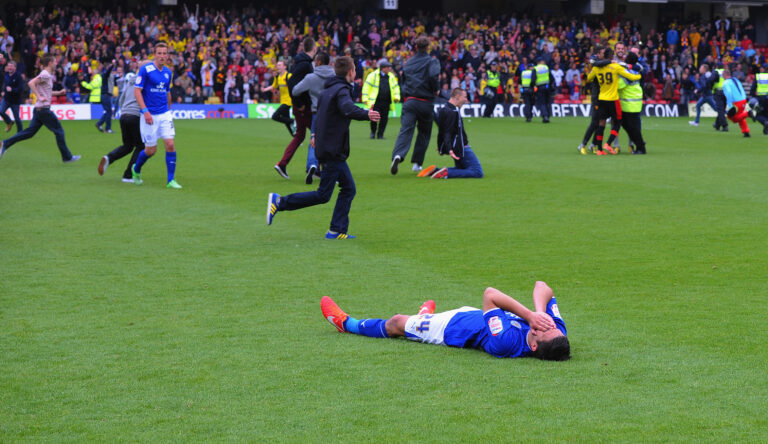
(146, 314)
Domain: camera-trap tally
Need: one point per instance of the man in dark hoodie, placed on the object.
(420, 84)
(314, 83)
(335, 110)
(302, 65)
(13, 86)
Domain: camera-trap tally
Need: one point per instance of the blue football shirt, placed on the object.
(154, 85)
(498, 332)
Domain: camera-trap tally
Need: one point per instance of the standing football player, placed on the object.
(152, 92)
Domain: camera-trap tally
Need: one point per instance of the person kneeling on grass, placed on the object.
(335, 110)
(504, 327)
(452, 140)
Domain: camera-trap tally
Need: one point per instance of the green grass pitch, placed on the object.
(145, 314)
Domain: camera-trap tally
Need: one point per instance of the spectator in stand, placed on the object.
(177, 92)
(208, 76)
(198, 97)
(573, 80)
(557, 76)
(687, 88)
(669, 90)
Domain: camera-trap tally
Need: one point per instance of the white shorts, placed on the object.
(430, 328)
(161, 128)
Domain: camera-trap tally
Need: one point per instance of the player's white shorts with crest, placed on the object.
(430, 328)
(161, 128)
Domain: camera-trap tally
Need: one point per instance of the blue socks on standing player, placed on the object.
(373, 328)
(170, 163)
(140, 161)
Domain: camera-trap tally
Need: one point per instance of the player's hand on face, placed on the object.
(541, 321)
(374, 115)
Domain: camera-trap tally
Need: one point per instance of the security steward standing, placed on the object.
(526, 91)
(380, 92)
(94, 86)
(542, 80)
(491, 93)
(721, 123)
(420, 84)
(631, 98)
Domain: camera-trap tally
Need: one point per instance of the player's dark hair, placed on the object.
(456, 92)
(631, 58)
(557, 349)
(422, 43)
(343, 66)
(322, 58)
(608, 54)
(45, 60)
(308, 44)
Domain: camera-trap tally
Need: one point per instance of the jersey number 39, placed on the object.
(603, 79)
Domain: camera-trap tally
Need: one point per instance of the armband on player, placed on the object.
(144, 110)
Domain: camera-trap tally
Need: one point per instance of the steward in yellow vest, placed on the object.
(631, 98)
(380, 92)
(542, 80)
(94, 85)
(490, 92)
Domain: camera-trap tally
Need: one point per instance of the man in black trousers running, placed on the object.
(335, 110)
(130, 114)
(420, 84)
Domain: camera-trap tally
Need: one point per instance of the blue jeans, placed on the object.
(704, 99)
(106, 103)
(42, 116)
(311, 159)
(4, 105)
(468, 167)
(332, 172)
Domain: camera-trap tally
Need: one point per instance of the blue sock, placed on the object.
(140, 161)
(373, 328)
(170, 163)
(351, 325)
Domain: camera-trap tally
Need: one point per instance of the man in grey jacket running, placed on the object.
(315, 84)
(129, 127)
(420, 84)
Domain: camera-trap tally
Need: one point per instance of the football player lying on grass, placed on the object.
(504, 327)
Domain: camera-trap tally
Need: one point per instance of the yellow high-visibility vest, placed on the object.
(371, 88)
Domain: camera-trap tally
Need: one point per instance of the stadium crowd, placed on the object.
(230, 56)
